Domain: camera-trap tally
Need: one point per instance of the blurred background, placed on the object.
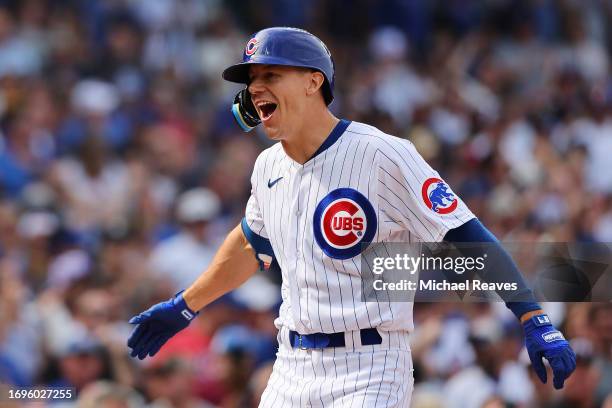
(121, 170)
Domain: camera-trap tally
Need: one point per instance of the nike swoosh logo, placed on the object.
(272, 183)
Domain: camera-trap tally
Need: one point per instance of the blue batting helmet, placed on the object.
(285, 46)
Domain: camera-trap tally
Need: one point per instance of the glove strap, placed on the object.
(549, 334)
(181, 305)
(541, 320)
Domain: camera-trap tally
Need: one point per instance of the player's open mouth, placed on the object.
(266, 109)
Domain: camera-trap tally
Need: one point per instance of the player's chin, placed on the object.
(273, 132)
(272, 129)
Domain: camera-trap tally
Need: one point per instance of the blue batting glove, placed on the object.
(157, 324)
(543, 340)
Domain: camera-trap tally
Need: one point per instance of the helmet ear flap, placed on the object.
(244, 111)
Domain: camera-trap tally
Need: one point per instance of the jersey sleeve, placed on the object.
(253, 226)
(253, 219)
(412, 194)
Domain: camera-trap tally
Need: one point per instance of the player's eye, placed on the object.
(266, 77)
(270, 76)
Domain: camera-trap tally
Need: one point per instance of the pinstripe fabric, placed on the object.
(321, 294)
(364, 376)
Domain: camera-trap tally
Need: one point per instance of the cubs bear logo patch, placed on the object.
(438, 196)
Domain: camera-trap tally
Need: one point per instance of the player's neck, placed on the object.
(315, 130)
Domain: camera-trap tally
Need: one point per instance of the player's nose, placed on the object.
(255, 86)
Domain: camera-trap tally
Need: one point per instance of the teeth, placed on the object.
(265, 108)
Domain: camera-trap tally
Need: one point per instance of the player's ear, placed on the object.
(315, 82)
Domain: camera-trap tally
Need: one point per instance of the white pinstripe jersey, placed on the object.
(362, 185)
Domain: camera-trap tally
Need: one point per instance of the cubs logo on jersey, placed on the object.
(438, 196)
(344, 222)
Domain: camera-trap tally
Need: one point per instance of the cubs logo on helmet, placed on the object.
(251, 46)
(344, 223)
(438, 196)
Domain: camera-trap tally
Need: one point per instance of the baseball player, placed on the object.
(323, 193)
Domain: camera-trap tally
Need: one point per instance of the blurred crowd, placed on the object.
(121, 170)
